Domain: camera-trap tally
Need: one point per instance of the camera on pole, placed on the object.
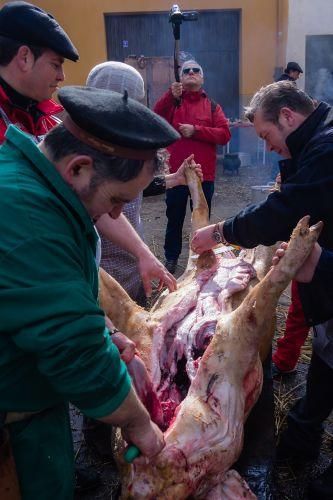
(176, 17)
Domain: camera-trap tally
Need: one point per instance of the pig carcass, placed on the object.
(200, 346)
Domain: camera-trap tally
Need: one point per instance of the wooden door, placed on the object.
(213, 41)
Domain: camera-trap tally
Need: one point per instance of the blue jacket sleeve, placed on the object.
(308, 192)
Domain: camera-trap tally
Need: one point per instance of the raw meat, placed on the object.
(200, 346)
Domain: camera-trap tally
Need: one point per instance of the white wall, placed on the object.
(307, 17)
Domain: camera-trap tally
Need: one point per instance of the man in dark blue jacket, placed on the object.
(287, 119)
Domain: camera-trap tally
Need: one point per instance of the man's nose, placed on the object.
(61, 74)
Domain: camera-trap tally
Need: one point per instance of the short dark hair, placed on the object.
(272, 98)
(60, 143)
(9, 48)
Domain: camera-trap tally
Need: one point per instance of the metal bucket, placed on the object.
(260, 193)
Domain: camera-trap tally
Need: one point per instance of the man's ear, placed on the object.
(78, 171)
(25, 58)
(287, 117)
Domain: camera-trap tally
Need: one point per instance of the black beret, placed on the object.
(28, 24)
(114, 123)
(293, 66)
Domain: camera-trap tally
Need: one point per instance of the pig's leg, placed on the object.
(199, 219)
(126, 315)
(200, 207)
(253, 318)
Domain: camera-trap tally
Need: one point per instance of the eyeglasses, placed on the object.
(186, 71)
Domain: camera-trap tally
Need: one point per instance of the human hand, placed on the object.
(126, 346)
(186, 130)
(136, 426)
(306, 272)
(177, 89)
(179, 177)
(151, 268)
(203, 239)
(148, 438)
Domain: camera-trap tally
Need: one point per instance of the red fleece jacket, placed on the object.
(211, 128)
(23, 119)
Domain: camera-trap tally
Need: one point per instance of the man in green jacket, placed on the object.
(57, 349)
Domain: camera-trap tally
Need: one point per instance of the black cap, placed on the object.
(293, 66)
(114, 123)
(26, 23)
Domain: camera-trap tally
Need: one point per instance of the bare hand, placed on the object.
(186, 130)
(179, 177)
(177, 90)
(306, 272)
(151, 268)
(136, 426)
(203, 239)
(126, 346)
(147, 437)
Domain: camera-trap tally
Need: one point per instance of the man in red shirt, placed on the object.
(33, 47)
(202, 125)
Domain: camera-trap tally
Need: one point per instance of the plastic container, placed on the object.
(231, 163)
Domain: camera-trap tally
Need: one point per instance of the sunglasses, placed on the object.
(186, 71)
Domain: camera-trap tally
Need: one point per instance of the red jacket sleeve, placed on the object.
(165, 106)
(219, 133)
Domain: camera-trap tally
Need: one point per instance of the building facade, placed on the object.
(252, 50)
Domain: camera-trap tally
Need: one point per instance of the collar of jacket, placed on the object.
(23, 143)
(193, 95)
(19, 100)
(301, 137)
(16, 100)
(298, 139)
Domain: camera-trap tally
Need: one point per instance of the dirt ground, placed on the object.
(232, 193)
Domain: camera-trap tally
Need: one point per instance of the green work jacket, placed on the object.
(53, 343)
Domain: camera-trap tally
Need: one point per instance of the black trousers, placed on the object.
(305, 419)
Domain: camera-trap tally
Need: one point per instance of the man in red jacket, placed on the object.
(33, 47)
(202, 125)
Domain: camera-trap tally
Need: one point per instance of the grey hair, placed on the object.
(272, 98)
(191, 62)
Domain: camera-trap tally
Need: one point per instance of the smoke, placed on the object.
(323, 89)
(319, 67)
(186, 56)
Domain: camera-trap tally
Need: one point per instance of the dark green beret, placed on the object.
(26, 23)
(114, 123)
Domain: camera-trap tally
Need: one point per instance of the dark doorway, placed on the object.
(319, 67)
(213, 41)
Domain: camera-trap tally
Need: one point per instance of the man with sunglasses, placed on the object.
(202, 125)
